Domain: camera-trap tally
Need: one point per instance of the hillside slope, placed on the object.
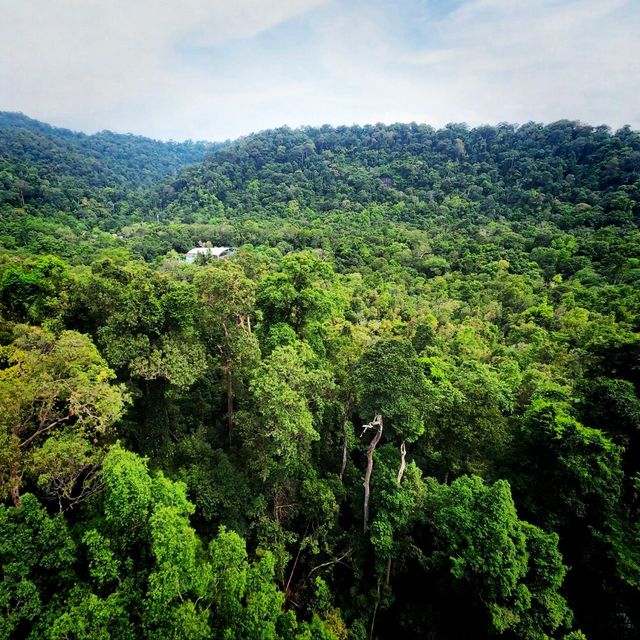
(45, 170)
(567, 171)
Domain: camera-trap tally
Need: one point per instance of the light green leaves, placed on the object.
(57, 405)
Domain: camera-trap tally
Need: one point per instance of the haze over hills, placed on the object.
(113, 157)
(50, 170)
(406, 407)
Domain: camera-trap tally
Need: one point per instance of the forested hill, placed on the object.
(46, 170)
(566, 172)
(58, 189)
(408, 405)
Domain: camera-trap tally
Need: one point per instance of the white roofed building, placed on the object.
(209, 252)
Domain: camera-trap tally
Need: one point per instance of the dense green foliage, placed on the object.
(50, 178)
(450, 316)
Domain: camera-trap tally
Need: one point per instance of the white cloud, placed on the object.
(89, 63)
(93, 64)
(500, 60)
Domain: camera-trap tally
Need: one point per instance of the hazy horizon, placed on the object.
(302, 126)
(205, 70)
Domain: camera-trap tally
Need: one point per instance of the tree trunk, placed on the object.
(14, 488)
(403, 462)
(227, 371)
(345, 444)
(229, 399)
(14, 493)
(403, 466)
(375, 611)
(377, 423)
(287, 593)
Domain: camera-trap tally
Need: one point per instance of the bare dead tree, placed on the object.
(345, 445)
(346, 554)
(375, 424)
(403, 466)
(403, 462)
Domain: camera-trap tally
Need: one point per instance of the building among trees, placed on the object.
(209, 252)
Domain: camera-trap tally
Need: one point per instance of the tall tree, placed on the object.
(57, 409)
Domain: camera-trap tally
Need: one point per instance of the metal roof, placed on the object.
(210, 251)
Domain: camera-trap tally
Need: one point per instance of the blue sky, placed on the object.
(217, 69)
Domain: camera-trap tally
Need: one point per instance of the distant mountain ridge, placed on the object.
(113, 156)
(507, 170)
(568, 173)
(46, 171)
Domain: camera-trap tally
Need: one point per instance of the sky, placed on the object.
(218, 69)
